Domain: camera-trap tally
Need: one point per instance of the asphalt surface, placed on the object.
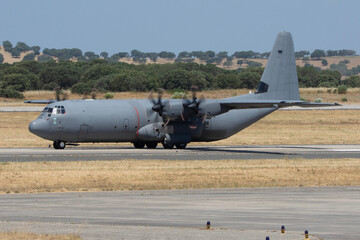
(79, 153)
(327, 212)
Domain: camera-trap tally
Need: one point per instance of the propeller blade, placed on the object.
(65, 96)
(57, 93)
(204, 118)
(94, 93)
(158, 105)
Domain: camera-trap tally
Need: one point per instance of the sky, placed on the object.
(180, 25)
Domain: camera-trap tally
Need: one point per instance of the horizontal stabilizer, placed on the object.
(40, 101)
(273, 104)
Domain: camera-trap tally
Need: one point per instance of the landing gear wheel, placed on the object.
(139, 144)
(151, 144)
(168, 146)
(59, 144)
(181, 145)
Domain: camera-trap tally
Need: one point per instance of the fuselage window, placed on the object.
(62, 110)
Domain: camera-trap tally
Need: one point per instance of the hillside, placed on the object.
(354, 61)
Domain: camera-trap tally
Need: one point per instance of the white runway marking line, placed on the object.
(346, 150)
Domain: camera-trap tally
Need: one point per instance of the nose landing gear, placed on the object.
(59, 144)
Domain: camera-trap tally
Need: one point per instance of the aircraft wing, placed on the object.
(40, 101)
(272, 104)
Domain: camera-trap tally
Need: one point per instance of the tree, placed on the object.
(301, 54)
(10, 93)
(81, 88)
(15, 53)
(104, 54)
(18, 82)
(1, 58)
(63, 54)
(31, 66)
(64, 74)
(244, 54)
(136, 53)
(332, 53)
(44, 58)
(228, 63)
(183, 54)
(210, 54)
(317, 54)
(305, 59)
(353, 82)
(22, 47)
(228, 81)
(129, 81)
(222, 55)
(326, 76)
(7, 46)
(91, 55)
(253, 64)
(165, 54)
(324, 62)
(152, 56)
(29, 56)
(97, 71)
(36, 50)
(265, 55)
(123, 54)
(346, 52)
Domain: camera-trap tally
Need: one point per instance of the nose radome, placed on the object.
(32, 126)
(38, 126)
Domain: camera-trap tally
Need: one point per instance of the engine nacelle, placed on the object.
(211, 108)
(173, 109)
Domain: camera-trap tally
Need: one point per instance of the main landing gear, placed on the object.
(153, 145)
(59, 144)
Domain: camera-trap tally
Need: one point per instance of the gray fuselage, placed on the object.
(121, 120)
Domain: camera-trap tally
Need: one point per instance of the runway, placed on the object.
(192, 152)
(327, 212)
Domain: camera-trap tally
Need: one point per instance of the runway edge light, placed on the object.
(306, 234)
(282, 229)
(208, 225)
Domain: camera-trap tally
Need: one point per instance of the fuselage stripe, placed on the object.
(138, 125)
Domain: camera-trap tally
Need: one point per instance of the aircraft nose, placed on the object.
(38, 127)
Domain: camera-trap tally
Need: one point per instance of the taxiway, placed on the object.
(327, 212)
(192, 152)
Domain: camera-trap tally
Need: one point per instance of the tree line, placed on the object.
(209, 57)
(81, 77)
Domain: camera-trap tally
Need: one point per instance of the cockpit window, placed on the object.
(59, 110)
(47, 112)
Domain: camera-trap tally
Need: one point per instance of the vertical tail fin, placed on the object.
(279, 80)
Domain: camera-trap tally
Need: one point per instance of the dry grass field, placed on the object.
(281, 127)
(34, 236)
(170, 174)
(310, 94)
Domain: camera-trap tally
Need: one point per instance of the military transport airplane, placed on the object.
(174, 122)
